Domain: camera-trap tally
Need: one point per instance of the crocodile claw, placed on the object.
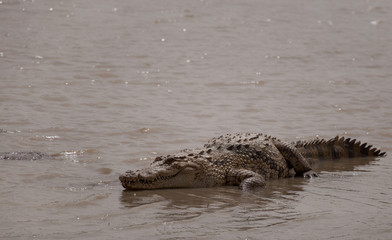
(310, 174)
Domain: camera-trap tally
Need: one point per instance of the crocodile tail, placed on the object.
(336, 148)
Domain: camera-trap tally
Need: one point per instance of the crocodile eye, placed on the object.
(169, 160)
(159, 158)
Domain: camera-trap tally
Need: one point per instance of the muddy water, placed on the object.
(106, 86)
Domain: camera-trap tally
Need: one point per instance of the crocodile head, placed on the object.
(172, 172)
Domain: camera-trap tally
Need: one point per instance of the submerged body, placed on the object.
(246, 160)
(32, 155)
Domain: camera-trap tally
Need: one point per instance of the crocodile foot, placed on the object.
(310, 174)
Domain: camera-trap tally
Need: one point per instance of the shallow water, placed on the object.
(108, 85)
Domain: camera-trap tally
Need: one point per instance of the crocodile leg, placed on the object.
(245, 179)
(295, 158)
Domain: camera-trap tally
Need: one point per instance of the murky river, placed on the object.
(106, 86)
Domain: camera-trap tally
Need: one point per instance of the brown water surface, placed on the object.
(108, 85)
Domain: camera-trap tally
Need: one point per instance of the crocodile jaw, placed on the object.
(159, 177)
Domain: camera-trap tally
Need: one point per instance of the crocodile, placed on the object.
(245, 160)
(31, 155)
